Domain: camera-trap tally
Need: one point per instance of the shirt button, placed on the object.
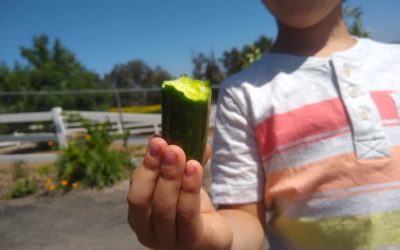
(364, 113)
(354, 91)
(347, 70)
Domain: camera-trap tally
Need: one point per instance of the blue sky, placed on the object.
(160, 32)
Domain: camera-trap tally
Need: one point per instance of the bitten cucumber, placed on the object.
(185, 110)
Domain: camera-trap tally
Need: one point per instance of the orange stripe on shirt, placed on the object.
(343, 171)
(307, 141)
(385, 104)
(312, 119)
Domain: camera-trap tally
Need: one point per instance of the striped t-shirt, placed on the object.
(318, 139)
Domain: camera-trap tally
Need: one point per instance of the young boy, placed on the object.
(310, 133)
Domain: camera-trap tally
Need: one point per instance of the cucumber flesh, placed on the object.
(185, 110)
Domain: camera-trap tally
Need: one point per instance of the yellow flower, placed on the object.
(74, 185)
(49, 180)
(64, 183)
(52, 187)
(87, 137)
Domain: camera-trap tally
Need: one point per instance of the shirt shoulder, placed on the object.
(382, 45)
(389, 52)
(262, 71)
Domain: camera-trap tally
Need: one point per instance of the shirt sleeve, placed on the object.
(237, 174)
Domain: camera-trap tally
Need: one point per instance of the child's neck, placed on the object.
(321, 40)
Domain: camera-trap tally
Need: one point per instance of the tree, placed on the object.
(137, 75)
(235, 60)
(49, 67)
(206, 68)
(354, 22)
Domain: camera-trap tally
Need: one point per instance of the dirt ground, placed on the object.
(82, 219)
(86, 219)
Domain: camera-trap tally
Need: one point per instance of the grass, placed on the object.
(156, 108)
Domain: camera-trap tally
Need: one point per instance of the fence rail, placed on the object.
(25, 117)
(133, 123)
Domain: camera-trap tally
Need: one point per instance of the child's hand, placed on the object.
(168, 209)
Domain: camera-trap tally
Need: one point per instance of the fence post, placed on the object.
(61, 131)
(156, 129)
(121, 127)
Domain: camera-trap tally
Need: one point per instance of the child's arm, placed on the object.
(168, 209)
(247, 223)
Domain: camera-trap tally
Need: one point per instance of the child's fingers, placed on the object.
(143, 183)
(166, 195)
(189, 224)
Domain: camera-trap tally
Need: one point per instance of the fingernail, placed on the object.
(169, 158)
(190, 170)
(154, 149)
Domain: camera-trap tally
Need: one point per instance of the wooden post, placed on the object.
(156, 129)
(61, 131)
(121, 128)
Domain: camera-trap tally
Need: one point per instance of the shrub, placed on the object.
(89, 160)
(45, 170)
(19, 170)
(23, 187)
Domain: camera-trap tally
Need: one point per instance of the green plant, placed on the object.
(89, 160)
(43, 170)
(19, 170)
(23, 187)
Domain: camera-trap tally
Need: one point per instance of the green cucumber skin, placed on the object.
(185, 122)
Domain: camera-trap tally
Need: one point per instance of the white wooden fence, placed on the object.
(134, 123)
(64, 129)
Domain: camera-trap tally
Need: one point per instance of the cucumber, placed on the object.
(185, 108)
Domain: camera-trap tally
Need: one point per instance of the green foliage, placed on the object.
(19, 170)
(353, 20)
(90, 161)
(45, 170)
(23, 183)
(49, 67)
(137, 74)
(23, 187)
(235, 60)
(253, 54)
(207, 67)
